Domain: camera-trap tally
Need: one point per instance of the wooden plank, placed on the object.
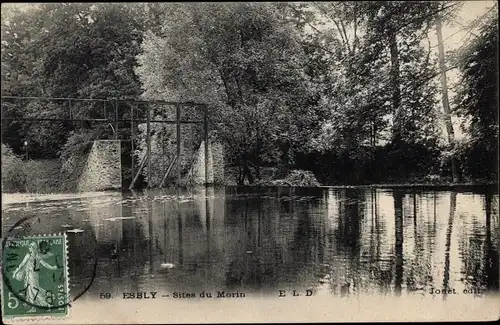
(143, 162)
(148, 140)
(168, 171)
(205, 126)
(178, 118)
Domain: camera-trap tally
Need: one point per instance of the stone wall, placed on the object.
(103, 168)
(215, 164)
(218, 163)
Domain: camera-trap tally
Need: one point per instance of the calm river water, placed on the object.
(258, 241)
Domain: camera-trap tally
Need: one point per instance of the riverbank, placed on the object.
(12, 198)
(440, 186)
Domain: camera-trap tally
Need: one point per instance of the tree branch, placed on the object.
(316, 46)
(435, 75)
(427, 59)
(301, 16)
(346, 38)
(426, 16)
(355, 29)
(340, 32)
(339, 28)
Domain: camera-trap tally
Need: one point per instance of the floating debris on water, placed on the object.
(164, 197)
(140, 212)
(75, 230)
(167, 265)
(118, 218)
(14, 209)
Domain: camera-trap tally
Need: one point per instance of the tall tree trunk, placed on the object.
(246, 171)
(284, 162)
(241, 175)
(257, 158)
(395, 83)
(445, 100)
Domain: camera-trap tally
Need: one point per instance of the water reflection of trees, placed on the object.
(449, 229)
(347, 240)
(282, 243)
(347, 233)
(398, 212)
(491, 270)
(480, 263)
(415, 246)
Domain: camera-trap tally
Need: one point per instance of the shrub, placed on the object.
(43, 176)
(13, 173)
(297, 178)
(478, 160)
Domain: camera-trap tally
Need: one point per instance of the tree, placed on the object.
(68, 50)
(375, 73)
(477, 102)
(19, 65)
(444, 96)
(243, 60)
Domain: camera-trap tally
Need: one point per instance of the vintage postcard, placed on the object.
(249, 162)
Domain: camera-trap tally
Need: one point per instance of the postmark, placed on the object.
(35, 277)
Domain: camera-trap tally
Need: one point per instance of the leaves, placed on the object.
(241, 60)
(477, 101)
(281, 79)
(74, 50)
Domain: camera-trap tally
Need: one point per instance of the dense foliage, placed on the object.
(243, 60)
(477, 101)
(347, 90)
(13, 175)
(66, 50)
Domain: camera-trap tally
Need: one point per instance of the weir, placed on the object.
(103, 167)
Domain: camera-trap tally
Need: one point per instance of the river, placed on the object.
(332, 241)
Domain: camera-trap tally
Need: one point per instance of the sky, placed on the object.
(456, 35)
(471, 10)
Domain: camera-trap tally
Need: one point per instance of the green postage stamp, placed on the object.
(35, 277)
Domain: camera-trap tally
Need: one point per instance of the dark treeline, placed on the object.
(348, 90)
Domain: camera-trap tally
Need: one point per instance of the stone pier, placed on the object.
(215, 164)
(103, 168)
